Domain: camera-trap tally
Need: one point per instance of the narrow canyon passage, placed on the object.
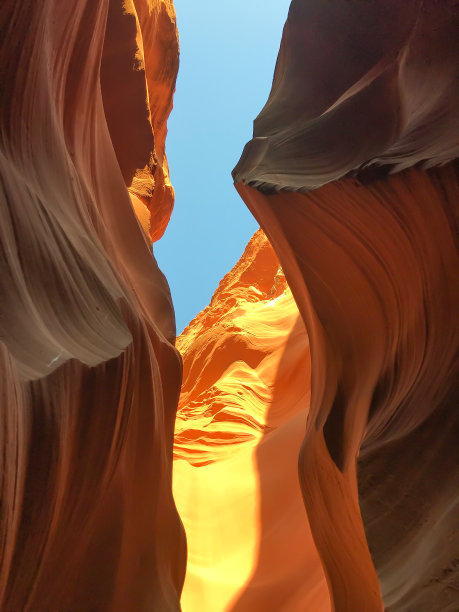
(240, 423)
(295, 448)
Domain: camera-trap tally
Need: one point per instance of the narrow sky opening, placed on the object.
(228, 51)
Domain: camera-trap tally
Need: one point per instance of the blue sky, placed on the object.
(228, 50)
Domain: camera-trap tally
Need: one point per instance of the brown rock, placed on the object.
(90, 376)
(362, 90)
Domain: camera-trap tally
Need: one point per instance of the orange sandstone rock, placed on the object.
(138, 74)
(90, 377)
(241, 419)
(352, 175)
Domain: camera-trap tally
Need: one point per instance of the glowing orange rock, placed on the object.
(240, 423)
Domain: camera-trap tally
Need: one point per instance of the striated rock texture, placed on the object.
(138, 73)
(90, 376)
(351, 174)
(240, 423)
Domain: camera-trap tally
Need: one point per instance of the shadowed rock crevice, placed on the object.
(90, 375)
(124, 91)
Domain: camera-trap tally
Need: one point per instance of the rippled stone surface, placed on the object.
(351, 174)
(90, 375)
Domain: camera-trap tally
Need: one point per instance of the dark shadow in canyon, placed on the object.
(126, 108)
(409, 505)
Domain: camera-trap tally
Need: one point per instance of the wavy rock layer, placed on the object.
(241, 419)
(90, 376)
(357, 86)
(138, 73)
(361, 91)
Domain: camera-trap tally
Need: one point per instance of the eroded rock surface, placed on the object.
(90, 376)
(351, 174)
(241, 419)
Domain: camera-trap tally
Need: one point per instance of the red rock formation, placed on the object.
(351, 174)
(240, 423)
(364, 102)
(141, 58)
(90, 376)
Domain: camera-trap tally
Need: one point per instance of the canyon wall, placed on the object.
(90, 375)
(351, 174)
(241, 419)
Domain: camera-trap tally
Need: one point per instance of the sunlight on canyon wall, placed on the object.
(347, 374)
(241, 419)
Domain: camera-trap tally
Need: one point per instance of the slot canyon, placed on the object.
(295, 448)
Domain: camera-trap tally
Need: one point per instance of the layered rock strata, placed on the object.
(138, 73)
(90, 376)
(351, 174)
(241, 419)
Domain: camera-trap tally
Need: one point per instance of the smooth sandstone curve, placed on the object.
(241, 419)
(351, 174)
(90, 375)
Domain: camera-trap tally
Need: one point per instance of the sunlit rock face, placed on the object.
(240, 423)
(351, 174)
(90, 376)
